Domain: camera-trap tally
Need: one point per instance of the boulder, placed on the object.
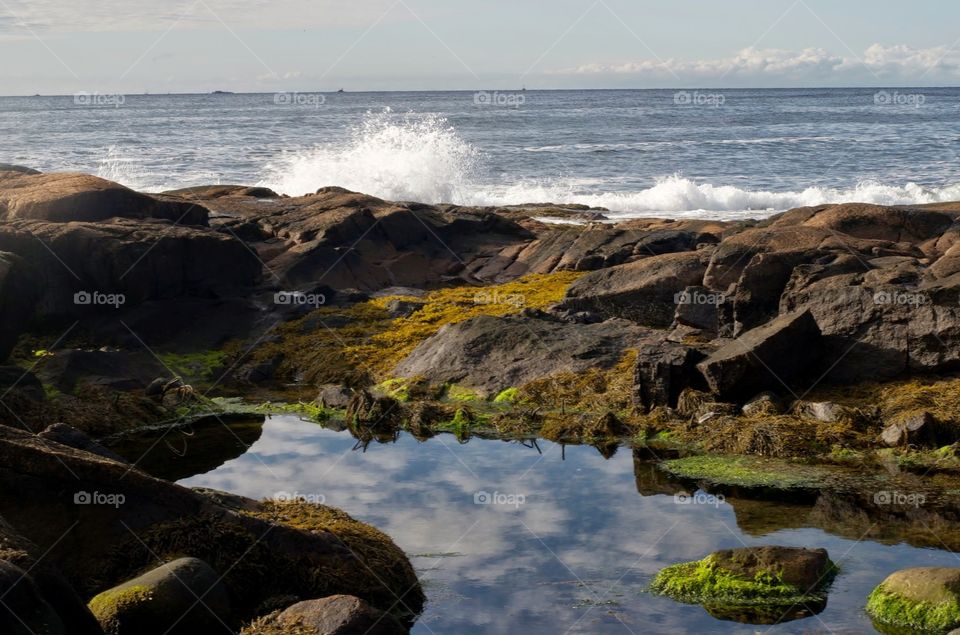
(646, 291)
(490, 354)
(67, 435)
(800, 567)
(781, 353)
(823, 411)
(181, 597)
(62, 197)
(925, 599)
(67, 369)
(698, 307)
(340, 615)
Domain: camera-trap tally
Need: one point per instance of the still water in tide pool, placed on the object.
(515, 538)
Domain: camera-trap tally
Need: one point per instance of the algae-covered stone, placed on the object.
(752, 584)
(925, 599)
(183, 596)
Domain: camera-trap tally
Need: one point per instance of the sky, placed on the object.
(132, 46)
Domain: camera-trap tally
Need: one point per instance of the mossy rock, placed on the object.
(754, 584)
(165, 600)
(922, 599)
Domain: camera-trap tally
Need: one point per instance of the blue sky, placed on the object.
(64, 46)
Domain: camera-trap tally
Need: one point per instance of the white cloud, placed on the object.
(878, 61)
(150, 15)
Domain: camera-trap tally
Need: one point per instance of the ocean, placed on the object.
(702, 153)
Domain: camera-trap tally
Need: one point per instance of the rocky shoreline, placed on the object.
(820, 336)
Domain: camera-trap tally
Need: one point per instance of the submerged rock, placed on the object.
(334, 615)
(925, 599)
(180, 597)
(752, 584)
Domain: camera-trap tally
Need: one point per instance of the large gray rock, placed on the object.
(781, 353)
(490, 354)
(18, 297)
(181, 597)
(645, 291)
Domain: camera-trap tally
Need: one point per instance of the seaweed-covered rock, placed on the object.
(755, 584)
(925, 599)
(180, 597)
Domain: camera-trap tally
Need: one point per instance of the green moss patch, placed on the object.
(748, 471)
(764, 598)
(895, 610)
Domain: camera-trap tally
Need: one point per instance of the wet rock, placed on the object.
(334, 396)
(644, 291)
(799, 567)
(16, 378)
(181, 598)
(62, 197)
(68, 369)
(923, 599)
(663, 371)
(766, 404)
(341, 615)
(782, 352)
(262, 372)
(895, 224)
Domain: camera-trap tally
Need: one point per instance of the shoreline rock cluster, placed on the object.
(826, 332)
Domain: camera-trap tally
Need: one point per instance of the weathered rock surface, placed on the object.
(62, 197)
(18, 296)
(645, 291)
(489, 354)
(778, 354)
(923, 598)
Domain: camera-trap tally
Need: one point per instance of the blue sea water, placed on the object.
(716, 153)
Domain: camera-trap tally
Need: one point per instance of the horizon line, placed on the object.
(471, 90)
